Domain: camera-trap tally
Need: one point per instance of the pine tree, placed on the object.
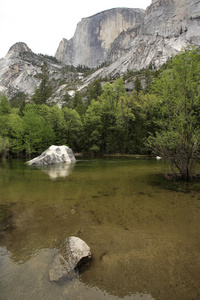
(44, 91)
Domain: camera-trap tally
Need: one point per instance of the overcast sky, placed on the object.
(42, 24)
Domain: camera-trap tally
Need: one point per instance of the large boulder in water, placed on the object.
(73, 254)
(54, 155)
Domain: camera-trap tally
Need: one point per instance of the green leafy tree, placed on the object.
(178, 91)
(100, 121)
(5, 107)
(56, 120)
(73, 128)
(125, 121)
(109, 101)
(5, 110)
(4, 125)
(143, 107)
(16, 133)
(4, 146)
(93, 127)
(38, 134)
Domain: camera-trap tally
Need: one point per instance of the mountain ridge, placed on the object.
(167, 19)
(148, 38)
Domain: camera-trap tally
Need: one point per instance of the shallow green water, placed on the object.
(144, 238)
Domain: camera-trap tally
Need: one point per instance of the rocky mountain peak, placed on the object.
(120, 39)
(18, 49)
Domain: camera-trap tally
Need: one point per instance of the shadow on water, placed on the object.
(142, 233)
(176, 184)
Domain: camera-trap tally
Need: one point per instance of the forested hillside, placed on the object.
(163, 117)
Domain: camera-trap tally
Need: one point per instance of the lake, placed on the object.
(142, 230)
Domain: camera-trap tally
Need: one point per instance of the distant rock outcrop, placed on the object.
(20, 69)
(16, 72)
(54, 155)
(166, 27)
(17, 50)
(72, 255)
(94, 36)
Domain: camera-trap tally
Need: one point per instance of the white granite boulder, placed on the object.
(73, 254)
(54, 155)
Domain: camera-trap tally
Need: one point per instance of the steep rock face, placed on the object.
(172, 18)
(168, 27)
(94, 36)
(20, 68)
(15, 73)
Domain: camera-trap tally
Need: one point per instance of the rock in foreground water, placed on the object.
(73, 254)
(54, 155)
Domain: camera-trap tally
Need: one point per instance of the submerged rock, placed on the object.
(54, 155)
(72, 255)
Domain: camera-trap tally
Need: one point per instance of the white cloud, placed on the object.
(42, 24)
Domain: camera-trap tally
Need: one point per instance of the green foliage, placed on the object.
(55, 118)
(109, 100)
(4, 146)
(50, 57)
(148, 81)
(94, 90)
(138, 84)
(178, 91)
(5, 107)
(107, 122)
(79, 69)
(93, 127)
(83, 69)
(73, 128)
(38, 133)
(125, 118)
(16, 133)
(77, 100)
(44, 91)
(67, 100)
(17, 100)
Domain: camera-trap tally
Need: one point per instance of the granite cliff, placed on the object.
(94, 36)
(16, 70)
(164, 29)
(20, 69)
(122, 38)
